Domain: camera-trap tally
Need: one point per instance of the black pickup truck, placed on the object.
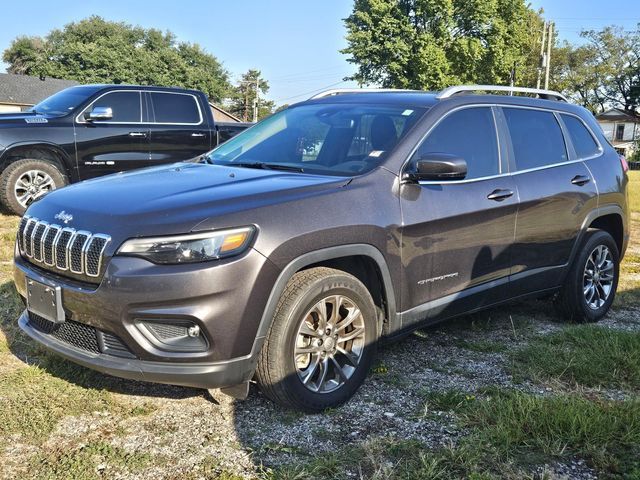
(91, 130)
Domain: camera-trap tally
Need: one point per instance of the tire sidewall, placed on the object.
(13, 172)
(357, 293)
(594, 240)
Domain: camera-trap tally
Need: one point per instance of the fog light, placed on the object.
(193, 331)
(173, 335)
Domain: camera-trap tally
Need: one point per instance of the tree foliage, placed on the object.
(430, 44)
(603, 72)
(95, 50)
(244, 96)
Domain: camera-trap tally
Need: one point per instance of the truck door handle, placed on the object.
(195, 134)
(137, 134)
(580, 180)
(499, 195)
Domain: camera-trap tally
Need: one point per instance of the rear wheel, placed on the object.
(321, 343)
(591, 284)
(24, 181)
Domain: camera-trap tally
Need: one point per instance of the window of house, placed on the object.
(619, 132)
(536, 138)
(469, 134)
(583, 142)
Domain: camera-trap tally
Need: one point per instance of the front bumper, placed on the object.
(225, 299)
(198, 375)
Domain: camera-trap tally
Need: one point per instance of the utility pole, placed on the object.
(255, 100)
(549, 42)
(542, 59)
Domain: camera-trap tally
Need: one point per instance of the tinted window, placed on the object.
(536, 137)
(125, 106)
(468, 133)
(175, 108)
(332, 139)
(65, 101)
(583, 142)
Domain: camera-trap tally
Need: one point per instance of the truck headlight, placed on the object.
(190, 248)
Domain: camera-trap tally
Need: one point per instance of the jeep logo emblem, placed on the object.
(64, 217)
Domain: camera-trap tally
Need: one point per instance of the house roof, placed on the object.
(220, 115)
(615, 114)
(26, 90)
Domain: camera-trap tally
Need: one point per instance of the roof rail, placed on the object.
(339, 91)
(546, 94)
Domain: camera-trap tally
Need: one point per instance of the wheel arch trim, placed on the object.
(66, 163)
(317, 256)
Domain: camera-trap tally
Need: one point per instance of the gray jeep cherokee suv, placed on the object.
(287, 253)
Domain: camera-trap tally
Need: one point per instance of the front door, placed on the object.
(117, 144)
(457, 235)
(180, 130)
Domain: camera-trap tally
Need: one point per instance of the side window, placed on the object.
(536, 138)
(125, 106)
(469, 133)
(175, 108)
(583, 142)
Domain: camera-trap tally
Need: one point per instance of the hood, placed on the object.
(23, 118)
(173, 199)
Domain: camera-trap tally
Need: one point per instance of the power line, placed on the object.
(311, 91)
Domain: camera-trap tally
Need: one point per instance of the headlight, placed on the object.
(190, 248)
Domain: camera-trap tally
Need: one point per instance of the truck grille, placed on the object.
(79, 335)
(62, 248)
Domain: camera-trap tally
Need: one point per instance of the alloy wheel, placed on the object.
(329, 344)
(598, 277)
(31, 185)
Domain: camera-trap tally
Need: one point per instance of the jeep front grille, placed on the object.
(62, 248)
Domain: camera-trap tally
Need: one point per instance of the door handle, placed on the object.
(195, 134)
(137, 134)
(580, 180)
(500, 194)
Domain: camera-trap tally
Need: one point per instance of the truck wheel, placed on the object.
(591, 284)
(321, 342)
(26, 180)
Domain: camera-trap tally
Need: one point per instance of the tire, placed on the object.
(296, 382)
(43, 175)
(574, 301)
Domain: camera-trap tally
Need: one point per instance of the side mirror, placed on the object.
(99, 113)
(439, 166)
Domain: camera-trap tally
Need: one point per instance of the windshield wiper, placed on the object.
(267, 166)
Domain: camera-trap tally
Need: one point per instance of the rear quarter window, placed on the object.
(536, 138)
(583, 142)
(175, 108)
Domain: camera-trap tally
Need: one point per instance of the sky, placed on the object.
(295, 43)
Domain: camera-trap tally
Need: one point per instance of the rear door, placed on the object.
(457, 235)
(120, 143)
(556, 192)
(180, 130)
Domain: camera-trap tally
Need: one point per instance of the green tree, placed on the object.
(95, 50)
(429, 44)
(244, 97)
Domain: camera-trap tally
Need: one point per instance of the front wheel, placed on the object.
(591, 284)
(321, 342)
(26, 180)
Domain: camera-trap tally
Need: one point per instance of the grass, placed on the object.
(509, 431)
(634, 190)
(585, 355)
(33, 401)
(94, 460)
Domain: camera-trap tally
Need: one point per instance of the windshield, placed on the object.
(329, 139)
(65, 101)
